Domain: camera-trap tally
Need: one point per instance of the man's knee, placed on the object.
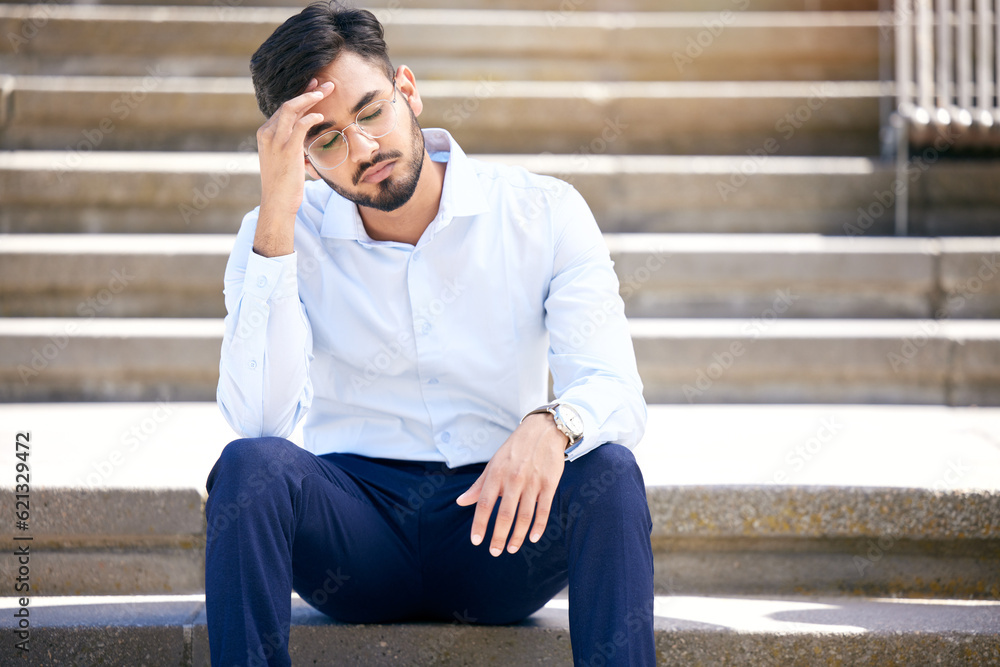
(610, 464)
(612, 455)
(253, 461)
(608, 475)
(248, 473)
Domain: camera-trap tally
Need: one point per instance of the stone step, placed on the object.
(105, 191)
(459, 43)
(661, 275)
(159, 112)
(689, 630)
(764, 359)
(113, 275)
(560, 8)
(110, 359)
(855, 500)
(741, 275)
(767, 359)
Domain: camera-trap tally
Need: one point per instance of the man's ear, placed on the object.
(310, 169)
(407, 84)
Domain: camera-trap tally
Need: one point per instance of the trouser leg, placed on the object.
(597, 540)
(611, 559)
(279, 516)
(248, 577)
(367, 541)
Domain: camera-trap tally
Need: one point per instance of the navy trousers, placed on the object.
(373, 540)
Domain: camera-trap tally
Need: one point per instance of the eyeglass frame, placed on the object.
(343, 132)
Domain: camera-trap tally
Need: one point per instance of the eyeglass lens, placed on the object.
(329, 150)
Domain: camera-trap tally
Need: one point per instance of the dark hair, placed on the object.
(306, 43)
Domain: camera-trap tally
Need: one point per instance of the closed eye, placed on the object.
(372, 116)
(333, 143)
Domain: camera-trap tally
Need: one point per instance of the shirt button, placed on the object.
(445, 437)
(253, 364)
(262, 282)
(423, 326)
(432, 381)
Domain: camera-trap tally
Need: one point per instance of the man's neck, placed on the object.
(407, 223)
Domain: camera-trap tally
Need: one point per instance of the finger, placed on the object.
(292, 104)
(525, 510)
(471, 495)
(505, 517)
(542, 510)
(484, 508)
(312, 94)
(303, 124)
(292, 110)
(269, 143)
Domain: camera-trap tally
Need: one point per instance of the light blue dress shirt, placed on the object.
(431, 352)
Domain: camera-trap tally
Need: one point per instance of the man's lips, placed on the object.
(379, 172)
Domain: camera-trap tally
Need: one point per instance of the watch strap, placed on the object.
(551, 409)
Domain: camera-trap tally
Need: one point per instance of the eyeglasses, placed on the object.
(329, 150)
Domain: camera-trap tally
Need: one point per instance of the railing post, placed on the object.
(964, 55)
(984, 66)
(903, 19)
(925, 56)
(902, 184)
(900, 120)
(945, 69)
(996, 71)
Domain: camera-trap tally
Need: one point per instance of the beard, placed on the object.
(393, 191)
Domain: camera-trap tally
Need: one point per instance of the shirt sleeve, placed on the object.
(264, 386)
(590, 348)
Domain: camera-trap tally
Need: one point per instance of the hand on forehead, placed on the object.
(354, 78)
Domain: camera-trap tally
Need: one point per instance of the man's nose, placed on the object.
(362, 147)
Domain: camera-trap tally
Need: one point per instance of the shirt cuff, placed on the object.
(585, 444)
(270, 278)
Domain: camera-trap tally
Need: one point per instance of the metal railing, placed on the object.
(948, 69)
(947, 80)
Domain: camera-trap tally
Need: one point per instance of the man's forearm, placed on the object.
(591, 354)
(275, 235)
(264, 384)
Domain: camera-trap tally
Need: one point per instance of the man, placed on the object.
(404, 303)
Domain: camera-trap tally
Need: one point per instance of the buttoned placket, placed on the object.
(429, 353)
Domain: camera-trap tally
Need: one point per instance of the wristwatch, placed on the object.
(567, 420)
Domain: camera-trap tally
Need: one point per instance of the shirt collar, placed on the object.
(461, 196)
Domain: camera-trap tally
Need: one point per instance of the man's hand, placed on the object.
(281, 147)
(525, 472)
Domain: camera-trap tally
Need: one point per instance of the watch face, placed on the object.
(570, 419)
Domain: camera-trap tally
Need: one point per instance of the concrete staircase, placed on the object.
(729, 151)
(781, 533)
(690, 631)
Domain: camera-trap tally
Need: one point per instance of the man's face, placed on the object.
(378, 173)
